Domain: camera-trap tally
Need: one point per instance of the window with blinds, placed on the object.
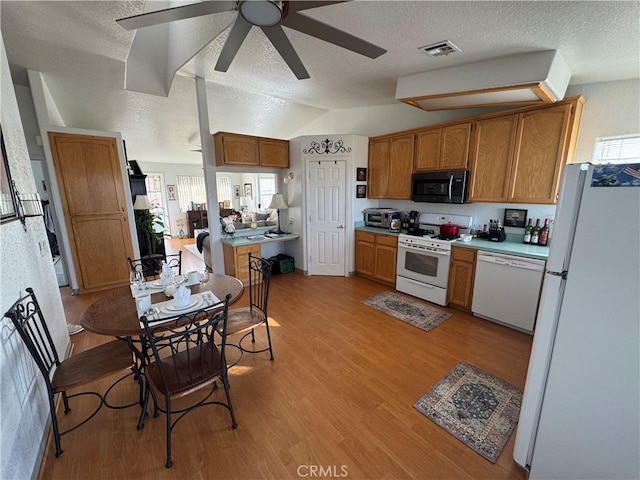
(616, 150)
(190, 190)
(224, 189)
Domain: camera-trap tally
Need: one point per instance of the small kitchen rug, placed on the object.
(477, 408)
(413, 312)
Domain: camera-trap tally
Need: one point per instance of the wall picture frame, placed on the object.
(236, 191)
(515, 218)
(361, 191)
(248, 190)
(171, 192)
(361, 174)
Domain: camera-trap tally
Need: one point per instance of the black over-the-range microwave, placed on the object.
(439, 187)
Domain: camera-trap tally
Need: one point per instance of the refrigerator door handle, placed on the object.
(563, 274)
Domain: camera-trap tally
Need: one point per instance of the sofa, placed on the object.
(203, 242)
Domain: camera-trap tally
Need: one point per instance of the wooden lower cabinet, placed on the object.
(461, 277)
(236, 260)
(376, 256)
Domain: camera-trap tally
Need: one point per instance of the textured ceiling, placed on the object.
(81, 52)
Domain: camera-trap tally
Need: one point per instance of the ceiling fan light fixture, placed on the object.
(262, 13)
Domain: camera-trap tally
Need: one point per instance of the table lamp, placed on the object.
(278, 203)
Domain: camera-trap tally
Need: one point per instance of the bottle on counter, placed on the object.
(527, 233)
(544, 234)
(535, 233)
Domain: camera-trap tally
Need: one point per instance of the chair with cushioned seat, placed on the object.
(75, 371)
(247, 319)
(188, 354)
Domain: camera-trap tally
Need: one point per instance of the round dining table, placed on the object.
(116, 315)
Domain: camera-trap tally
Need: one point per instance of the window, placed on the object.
(190, 190)
(224, 189)
(266, 189)
(616, 150)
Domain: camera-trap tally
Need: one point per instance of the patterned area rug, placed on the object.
(478, 409)
(409, 310)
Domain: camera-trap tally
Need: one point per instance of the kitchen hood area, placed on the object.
(521, 80)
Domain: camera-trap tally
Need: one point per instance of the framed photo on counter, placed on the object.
(515, 218)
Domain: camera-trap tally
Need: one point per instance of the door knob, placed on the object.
(340, 226)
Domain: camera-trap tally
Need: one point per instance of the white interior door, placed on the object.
(327, 217)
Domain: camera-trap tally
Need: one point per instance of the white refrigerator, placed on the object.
(580, 415)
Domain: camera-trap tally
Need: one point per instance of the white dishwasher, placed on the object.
(507, 288)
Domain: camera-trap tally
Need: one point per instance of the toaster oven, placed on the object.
(380, 217)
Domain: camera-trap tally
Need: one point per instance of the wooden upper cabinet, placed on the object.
(378, 167)
(246, 150)
(274, 153)
(541, 143)
(492, 151)
(455, 146)
(428, 150)
(445, 148)
(518, 158)
(400, 166)
(390, 166)
(233, 149)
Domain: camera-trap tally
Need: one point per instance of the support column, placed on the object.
(209, 164)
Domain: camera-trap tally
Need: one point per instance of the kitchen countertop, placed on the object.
(377, 230)
(508, 248)
(239, 241)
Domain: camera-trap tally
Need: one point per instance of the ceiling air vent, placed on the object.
(439, 49)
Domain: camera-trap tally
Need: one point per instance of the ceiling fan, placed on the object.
(270, 16)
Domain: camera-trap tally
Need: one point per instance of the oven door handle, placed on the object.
(450, 188)
(444, 253)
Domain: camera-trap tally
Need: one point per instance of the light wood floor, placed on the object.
(339, 393)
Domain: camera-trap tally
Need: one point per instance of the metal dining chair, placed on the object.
(75, 371)
(247, 319)
(187, 355)
(151, 266)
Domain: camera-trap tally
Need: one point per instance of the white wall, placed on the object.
(295, 193)
(25, 411)
(611, 108)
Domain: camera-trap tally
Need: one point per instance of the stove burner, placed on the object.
(446, 237)
(419, 232)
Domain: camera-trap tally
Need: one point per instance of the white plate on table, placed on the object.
(158, 283)
(171, 306)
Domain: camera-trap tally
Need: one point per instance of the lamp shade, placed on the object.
(277, 202)
(142, 203)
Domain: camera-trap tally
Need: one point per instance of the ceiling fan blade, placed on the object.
(325, 32)
(175, 13)
(238, 33)
(306, 5)
(285, 49)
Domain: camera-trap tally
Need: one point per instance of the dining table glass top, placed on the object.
(116, 314)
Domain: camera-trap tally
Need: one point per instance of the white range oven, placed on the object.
(422, 267)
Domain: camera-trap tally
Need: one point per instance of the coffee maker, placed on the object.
(412, 226)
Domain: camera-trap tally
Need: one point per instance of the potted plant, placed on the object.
(152, 227)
